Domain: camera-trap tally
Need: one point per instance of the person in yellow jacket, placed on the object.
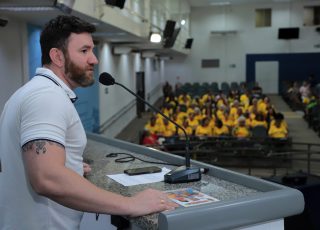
(197, 114)
(171, 99)
(190, 109)
(175, 118)
(241, 130)
(184, 99)
(220, 111)
(192, 121)
(253, 108)
(167, 109)
(204, 129)
(280, 117)
(245, 99)
(207, 97)
(168, 129)
(263, 105)
(227, 119)
(152, 126)
(277, 130)
(234, 110)
(259, 121)
(181, 112)
(219, 129)
(186, 127)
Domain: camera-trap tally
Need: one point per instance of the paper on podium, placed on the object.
(127, 180)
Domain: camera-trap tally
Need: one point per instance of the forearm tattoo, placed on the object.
(39, 146)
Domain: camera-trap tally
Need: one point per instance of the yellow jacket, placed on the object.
(278, 132)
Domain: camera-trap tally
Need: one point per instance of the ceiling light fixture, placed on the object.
(28, 8)
(219, 3)
(155, 37)
(183, 22)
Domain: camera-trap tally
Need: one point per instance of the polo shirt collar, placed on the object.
(45, 72)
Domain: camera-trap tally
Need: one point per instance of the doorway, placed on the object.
(267, 75)
(140, 89)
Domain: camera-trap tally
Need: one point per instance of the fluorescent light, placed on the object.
(183, 22)
(155, 37)
(28, 8)
(219, 3)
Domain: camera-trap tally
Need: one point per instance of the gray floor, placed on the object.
(298, 130)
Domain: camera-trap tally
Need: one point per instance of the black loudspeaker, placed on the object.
(169, 29)
(117, 3)
(169, 42)
(288, 33)
(188, 44)
(3, 22)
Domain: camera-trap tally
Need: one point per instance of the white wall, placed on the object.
(117, 106)
(153, 83)
(232, 49)
(115, 98)
(12, 59)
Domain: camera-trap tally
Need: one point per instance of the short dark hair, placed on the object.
(57, 31)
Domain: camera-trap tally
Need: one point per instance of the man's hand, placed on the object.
(150, 201)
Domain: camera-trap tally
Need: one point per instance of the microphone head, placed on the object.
(106, 79)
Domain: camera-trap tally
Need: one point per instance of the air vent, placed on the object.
(210, 63)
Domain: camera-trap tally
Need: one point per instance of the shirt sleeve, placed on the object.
(44, 115)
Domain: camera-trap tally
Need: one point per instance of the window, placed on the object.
(263, 17)
(311, 15)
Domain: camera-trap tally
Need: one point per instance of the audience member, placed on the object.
(149, 139)
(204, 129)
(220, 129)
(166, 89)
(186, 127)
(278, 129)
(241, 130)
(305, 92)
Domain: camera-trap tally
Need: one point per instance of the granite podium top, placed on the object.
(243, 199)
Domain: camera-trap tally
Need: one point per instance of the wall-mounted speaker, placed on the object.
(169, 42)
(3, 22)
(188, 44)
(169, 29)
(117, 3)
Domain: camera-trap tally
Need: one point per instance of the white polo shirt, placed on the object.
(41, 109)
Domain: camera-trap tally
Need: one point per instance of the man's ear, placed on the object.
(57, 57)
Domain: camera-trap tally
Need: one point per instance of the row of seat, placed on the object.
(312, 116)
(230, 151)
(311, 108)
(198, 89)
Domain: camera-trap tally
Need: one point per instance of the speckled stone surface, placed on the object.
(96, 152)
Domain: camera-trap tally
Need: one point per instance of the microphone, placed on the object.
(182, 174)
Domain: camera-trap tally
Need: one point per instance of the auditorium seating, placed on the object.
(310, 107)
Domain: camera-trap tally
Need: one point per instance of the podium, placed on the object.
(309, 185)
(245, 202)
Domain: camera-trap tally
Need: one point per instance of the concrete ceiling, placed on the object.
(24, 10)
(105, 31)
(215, 3)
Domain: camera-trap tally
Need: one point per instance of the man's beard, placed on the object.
(78, 74)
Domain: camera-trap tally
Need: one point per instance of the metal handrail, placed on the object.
(306, 153)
